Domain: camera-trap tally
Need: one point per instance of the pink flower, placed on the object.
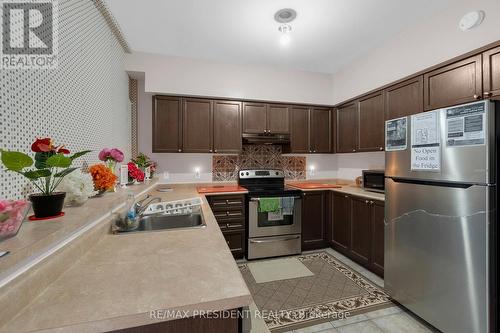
(104, 154)
(117, 155)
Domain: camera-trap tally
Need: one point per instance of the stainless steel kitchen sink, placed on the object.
(166, 222)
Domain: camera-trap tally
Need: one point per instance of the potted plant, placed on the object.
(51, 165)
(143, 161)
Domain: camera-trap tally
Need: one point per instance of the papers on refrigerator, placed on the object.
(395, 134)
(425, 147)
(465, 125)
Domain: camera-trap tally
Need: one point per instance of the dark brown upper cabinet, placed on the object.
(346, 128)
(321, 130)
(460, 82)
(227, 127)
(371, 122)
(197, 125)
(278, 118)
(254, 118)
(314, 220)
(491, 73)
(405, 98)
(299, 136)
(259, 118)
(311, 130)
(167, 124)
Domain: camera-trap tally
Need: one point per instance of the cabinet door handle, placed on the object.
(346, 196)
(215, 150)
(367, 202)
(354, 150)
(487, 94)
(371, 202)
(210, 150)
(381, 148)
(476, 96)
(180, 150)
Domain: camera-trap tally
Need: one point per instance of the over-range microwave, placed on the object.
(373, 180)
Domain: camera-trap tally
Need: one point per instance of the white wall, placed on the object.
(183, 76)
(349, 166)
(83, 103)
(434, 40)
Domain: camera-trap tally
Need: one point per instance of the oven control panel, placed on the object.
(261, 174)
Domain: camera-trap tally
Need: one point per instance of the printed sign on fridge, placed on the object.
(425, 147)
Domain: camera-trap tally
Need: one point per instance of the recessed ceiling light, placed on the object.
(471, 20)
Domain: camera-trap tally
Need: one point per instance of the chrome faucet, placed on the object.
(140, 207)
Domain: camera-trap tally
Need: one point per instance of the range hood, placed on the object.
(266, 139)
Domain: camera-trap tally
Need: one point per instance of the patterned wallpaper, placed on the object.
(226, 167)
(83, 103)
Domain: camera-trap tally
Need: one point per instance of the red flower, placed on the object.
(134, 172)
(62, 150)
(42, 145)
(46, 145)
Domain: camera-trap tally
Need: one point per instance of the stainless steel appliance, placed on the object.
(277, 233)
(373, 180)
(266, 139)
(441, 207)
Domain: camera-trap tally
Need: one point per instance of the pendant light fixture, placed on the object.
(284, 17)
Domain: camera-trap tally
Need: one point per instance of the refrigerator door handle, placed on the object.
(432, 182)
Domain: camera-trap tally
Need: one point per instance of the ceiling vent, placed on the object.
(285, 15)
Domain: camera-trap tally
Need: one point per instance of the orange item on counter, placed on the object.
(220, 189)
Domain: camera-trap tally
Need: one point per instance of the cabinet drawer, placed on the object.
(233, 224)
(229, 214)
(235, 239)
(223, 202)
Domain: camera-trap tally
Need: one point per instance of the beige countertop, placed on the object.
(124, 277)
(347, 188)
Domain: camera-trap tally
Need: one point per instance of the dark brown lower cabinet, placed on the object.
(378, 239)
(229, 211)
(227, 321)
(340, 236)
(314, 214)
(357, 230)
(361, 230)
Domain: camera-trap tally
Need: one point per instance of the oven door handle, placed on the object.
(257, 199)
(275, 239)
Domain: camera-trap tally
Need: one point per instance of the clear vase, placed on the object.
(111, 165)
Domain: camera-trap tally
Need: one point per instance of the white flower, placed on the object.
(78, 187)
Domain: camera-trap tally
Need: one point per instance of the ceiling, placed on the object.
(326, 34)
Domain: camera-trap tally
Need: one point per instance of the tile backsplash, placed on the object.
(226, 167)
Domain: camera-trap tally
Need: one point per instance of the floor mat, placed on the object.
(278, 269)
(333, 292)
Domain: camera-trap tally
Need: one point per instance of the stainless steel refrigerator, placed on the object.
(440, 215)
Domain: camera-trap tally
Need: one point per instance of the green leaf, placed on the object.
(35, 174)
(16, 161)
(58, 161)
(65, 172)
(41, 159)
(81, 153)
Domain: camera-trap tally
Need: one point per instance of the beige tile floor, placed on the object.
(388, 320)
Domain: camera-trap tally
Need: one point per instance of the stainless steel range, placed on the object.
(274, 214)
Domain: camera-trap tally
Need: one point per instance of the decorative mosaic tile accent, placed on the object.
(226, 167)
(133, 96)
(334, 289)
(83, 103)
